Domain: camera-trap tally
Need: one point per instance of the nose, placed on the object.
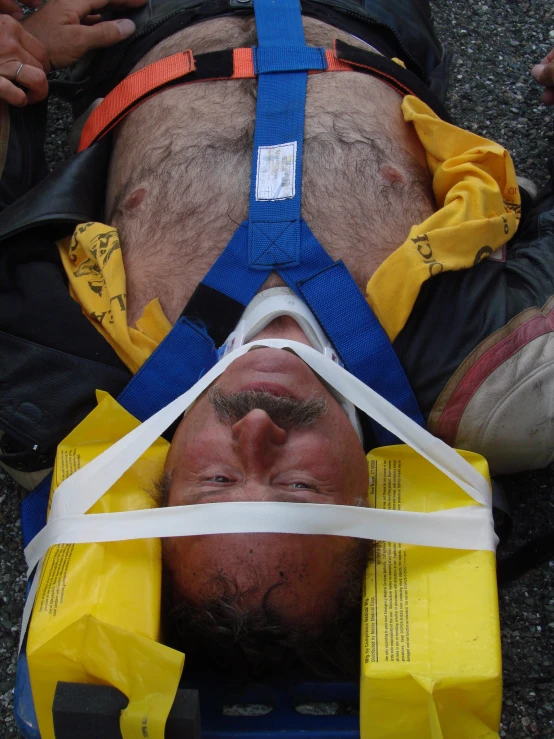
(258, 440)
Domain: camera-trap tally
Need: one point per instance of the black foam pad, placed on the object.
(92, 712)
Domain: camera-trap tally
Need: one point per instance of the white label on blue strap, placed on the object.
(276, 172)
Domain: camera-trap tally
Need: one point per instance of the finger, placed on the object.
(10, 7)
(106, 34)
(121, 5)
(549, 57)
(10, 65)
(18, 45)
(91, 20)
(34, 80)
(548, 96)
(12, 94)
(35, 48)
(89, 7)
(544, 74)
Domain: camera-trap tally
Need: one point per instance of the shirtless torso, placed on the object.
(180, 171)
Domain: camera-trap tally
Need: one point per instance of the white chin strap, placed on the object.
(282, 301)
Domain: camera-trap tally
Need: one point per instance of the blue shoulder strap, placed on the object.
(174, 367)
(281, 63)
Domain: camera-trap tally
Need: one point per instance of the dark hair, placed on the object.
(221, 636)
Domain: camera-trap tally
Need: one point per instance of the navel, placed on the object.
(135, 199)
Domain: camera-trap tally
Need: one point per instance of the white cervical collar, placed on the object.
(282, 301)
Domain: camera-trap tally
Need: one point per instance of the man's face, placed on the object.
(223, 451)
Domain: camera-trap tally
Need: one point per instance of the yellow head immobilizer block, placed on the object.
(431, 664)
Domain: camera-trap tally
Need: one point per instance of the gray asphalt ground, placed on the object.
(494, 44)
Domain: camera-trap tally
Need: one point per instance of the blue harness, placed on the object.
(275, 238)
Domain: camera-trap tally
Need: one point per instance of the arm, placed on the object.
(54, 37)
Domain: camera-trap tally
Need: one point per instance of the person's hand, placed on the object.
(12, 8)
(544, 74)
(23, 64)
(70, 28)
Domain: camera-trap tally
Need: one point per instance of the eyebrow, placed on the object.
(279, 497)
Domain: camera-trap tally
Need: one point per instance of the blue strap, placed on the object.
(276, 184)
(177, 363)
(275, 188)
(278, 23)
(314, 259)
(33, 510)
(340, 307)
(346, 317)
(275, 238)
(231, 274)
(23, 705)
(288, 59)
(360, 340)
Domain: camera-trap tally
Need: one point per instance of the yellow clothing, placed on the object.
(476, 192)
(93, 261)
(478, 203)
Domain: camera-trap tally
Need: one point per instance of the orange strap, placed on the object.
(162, 74)
(133, 88)
(183, 68)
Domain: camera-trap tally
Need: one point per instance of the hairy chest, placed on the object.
(180, 173)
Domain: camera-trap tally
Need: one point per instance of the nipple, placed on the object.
(391, 174)
(135, 199)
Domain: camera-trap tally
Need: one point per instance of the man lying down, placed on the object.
(99, 259)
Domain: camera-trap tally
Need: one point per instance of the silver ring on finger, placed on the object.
(18, 71)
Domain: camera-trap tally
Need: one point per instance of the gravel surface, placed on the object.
(493, 46)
